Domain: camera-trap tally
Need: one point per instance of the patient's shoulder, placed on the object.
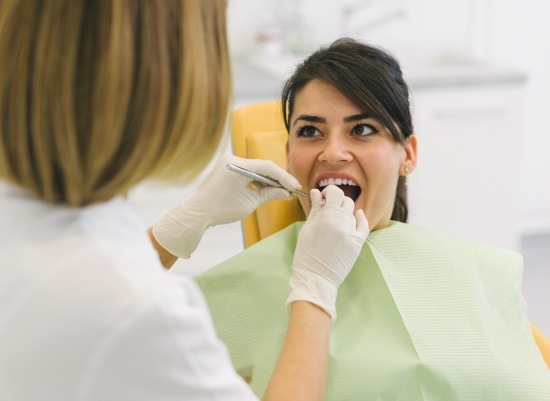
(408, 239)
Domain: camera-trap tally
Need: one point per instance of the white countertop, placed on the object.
(257, 79)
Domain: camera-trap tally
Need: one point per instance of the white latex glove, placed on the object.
(224, 198)
(328, 246)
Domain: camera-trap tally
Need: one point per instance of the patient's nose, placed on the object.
(336, 150)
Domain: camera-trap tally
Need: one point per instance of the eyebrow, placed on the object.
(321, 120)
(356, 117)
(310, 119)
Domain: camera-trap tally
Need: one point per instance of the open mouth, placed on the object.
(350, 188)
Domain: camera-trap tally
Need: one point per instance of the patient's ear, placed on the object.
(410, 147)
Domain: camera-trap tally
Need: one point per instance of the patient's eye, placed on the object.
(363, 130)
(308, 131)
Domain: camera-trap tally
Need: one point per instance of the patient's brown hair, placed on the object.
(96, 95)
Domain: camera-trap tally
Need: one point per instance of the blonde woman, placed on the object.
(96, 96)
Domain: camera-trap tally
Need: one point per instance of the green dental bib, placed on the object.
(421, 316)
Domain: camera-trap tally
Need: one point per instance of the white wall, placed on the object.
(520, 36)
(417, 31)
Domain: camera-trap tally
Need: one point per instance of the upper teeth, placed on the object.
(336, 181)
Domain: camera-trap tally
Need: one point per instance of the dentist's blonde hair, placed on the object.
(96, 95)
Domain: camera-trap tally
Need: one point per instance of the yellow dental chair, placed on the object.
(258, 132)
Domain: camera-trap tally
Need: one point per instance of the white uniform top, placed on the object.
(87, 312)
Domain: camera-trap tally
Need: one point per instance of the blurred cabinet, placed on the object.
(467, 181)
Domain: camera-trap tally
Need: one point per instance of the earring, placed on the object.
(406, 172)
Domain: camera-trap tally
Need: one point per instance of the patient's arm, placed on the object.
(543, 343)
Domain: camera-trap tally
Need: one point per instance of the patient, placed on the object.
(422, 315)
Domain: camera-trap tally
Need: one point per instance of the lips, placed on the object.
(351, 188)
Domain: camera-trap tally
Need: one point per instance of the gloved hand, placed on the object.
(224, 198)
(328, 246)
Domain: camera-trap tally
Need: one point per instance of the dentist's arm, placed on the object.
(301, 372)
(328, 246)
(224, 198)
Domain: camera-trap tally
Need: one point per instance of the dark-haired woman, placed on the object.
(422, 315)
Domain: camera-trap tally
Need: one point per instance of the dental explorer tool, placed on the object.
(262, 179)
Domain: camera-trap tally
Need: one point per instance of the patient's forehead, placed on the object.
(319, 96)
